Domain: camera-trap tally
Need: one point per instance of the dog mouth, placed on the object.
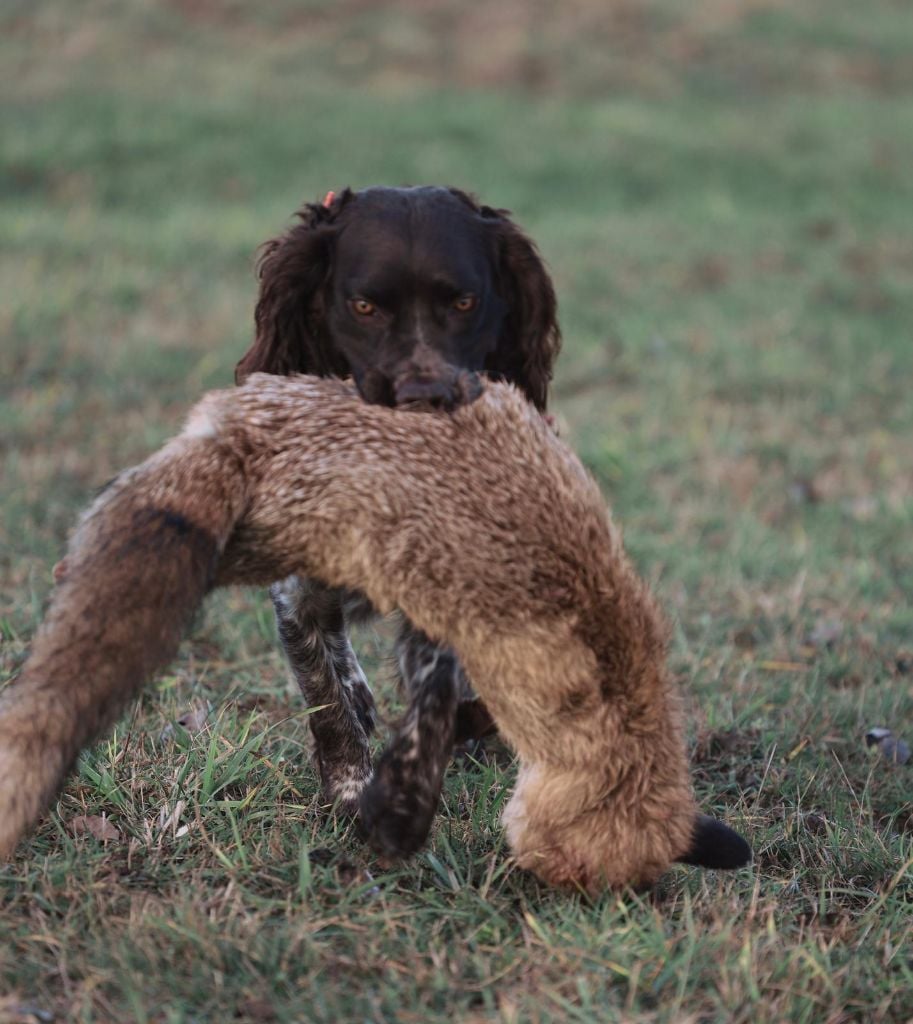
(462, 388)
(420, 391)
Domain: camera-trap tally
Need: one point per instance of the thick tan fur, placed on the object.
(481, 526)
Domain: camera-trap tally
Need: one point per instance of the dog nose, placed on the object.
(430, 392)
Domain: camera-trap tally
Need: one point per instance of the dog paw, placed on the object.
(394, 819)
(342, 786)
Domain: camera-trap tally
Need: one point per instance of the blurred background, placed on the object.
(723, 190)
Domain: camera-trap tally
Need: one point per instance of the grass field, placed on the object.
(724, 193)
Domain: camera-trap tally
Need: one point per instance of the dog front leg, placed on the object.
(398, 806)
(312, 628)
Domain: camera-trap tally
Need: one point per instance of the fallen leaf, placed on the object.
(170, 820)
(798, 748)
(96, 825)
(745, 638)
(256, 1009)
(802, 492)
(192, 721)
(14, 1012)
(862, 509)
(826, 632)
(891, 747)
(708, 273)
(814, 822)
(347, 871)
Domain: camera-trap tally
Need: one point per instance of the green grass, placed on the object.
(723, 193)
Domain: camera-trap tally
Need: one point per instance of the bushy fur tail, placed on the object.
(137, 569)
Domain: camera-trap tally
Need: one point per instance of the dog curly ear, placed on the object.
(715, 845)
(530, 339)
(293, 268)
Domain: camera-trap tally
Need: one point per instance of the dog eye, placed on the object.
(363, 308)
(464, 303)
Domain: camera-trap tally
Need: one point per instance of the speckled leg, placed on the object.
(312, 627)
(398, 806)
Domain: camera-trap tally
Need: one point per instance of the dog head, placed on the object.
(412, 291)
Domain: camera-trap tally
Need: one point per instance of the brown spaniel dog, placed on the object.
(415, 293)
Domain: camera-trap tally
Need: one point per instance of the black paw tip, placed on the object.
(715, 845)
